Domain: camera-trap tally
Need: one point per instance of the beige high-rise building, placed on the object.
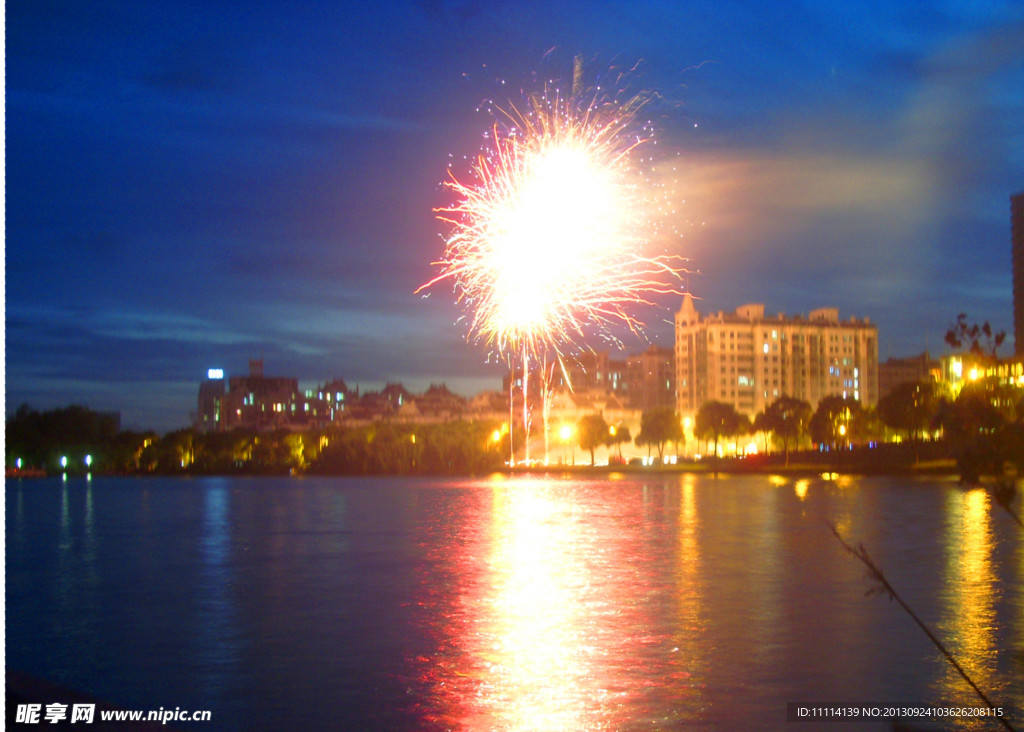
(749, 360)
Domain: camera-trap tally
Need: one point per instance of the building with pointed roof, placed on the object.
(748, 359)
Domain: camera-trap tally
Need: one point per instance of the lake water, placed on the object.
(625, 602)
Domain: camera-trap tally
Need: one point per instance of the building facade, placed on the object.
(748, 360)
(896, 371)
(265, 403)
(261, 402)
(641, 381)
(210, 416)
(959, 369)
(651, 379)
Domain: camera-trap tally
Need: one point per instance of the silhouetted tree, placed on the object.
(961, 335)
(443, 448)
(40, 438)
(787, 418)
(762, 425)
(718, 419)
(910, 407)
(658, 426)
(123, 454)
(836, 420)
(621, 435)
(591, 433)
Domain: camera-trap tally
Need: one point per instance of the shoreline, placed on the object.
(930, 468)
(944, 468)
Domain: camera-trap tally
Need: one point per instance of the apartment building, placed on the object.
(748, 359)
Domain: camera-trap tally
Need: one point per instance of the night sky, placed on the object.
(194, 184)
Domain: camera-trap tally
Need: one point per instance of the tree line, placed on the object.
(982, 427)
(61, 440)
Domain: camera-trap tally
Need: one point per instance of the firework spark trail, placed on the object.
(548, 231)
(547, 237)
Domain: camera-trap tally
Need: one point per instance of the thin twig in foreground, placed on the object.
(862, 554)
(1004, 493)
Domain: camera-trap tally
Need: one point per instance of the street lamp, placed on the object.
(566, 434)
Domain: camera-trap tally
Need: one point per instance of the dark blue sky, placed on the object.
(192, 184)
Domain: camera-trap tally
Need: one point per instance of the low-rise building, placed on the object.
(896, 371)
(262, 402)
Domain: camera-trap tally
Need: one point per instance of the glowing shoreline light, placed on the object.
(547, 232)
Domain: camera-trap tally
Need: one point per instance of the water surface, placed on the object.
(510, 603)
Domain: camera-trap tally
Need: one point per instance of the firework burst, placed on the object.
(549, 231)
(547, 234)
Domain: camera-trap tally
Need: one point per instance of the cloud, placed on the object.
(864, 193)
(162, 326)
(806, 210)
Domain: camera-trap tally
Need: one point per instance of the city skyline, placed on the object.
(190, 187)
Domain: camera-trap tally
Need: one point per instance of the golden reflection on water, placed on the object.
(970, 581)
(555, 629)
(689, 638)
(535, 648)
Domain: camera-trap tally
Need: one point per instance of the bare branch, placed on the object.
(883, 586)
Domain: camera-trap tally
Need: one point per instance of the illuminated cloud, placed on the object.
(872, 205)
